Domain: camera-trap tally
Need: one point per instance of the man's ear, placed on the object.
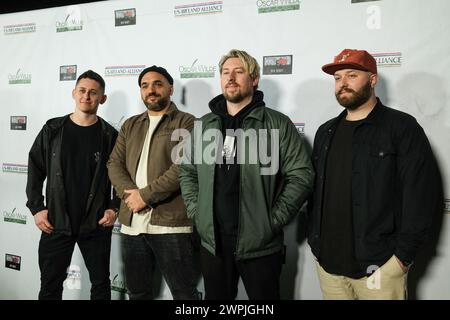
(255, 82)
(373, 80)
(103, 99)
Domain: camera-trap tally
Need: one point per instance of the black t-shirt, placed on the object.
(80, 155)
(337, 247)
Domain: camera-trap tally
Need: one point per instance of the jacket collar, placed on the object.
(373, 117)
(257, 113)
(58, 123)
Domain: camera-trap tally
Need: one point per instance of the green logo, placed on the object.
(197, 71)
(19, 28)
(15, 168)
(19, 78)
(118, 285)
(268, 6)
(14, 217)
(70, 23)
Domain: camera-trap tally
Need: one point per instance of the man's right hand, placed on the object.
(41, 220)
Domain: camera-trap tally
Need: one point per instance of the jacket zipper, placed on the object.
(214, 176)
(240, 193)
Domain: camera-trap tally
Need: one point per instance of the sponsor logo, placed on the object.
(198, 8)
(447, 206)
(118, 285)
(68, 73)
(196, 70)
(71, 20)
(393, 59)
(14, 216)
(19, 78)
(116, 227)
(114, 71)
(125, 17)
(19, 28)
(300, 127)
(73, 279)
(18, 123)
(267, 6)
(12, 261)
(358, 1)
(277, 64)
(16, 168)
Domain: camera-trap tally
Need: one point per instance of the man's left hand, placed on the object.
(134, 200)
(109, 217)
(404, 268)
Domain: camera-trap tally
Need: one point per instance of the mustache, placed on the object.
(345, 90)
(153, 95)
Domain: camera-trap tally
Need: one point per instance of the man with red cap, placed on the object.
(375, 191)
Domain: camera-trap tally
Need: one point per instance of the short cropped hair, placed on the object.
(93, 76)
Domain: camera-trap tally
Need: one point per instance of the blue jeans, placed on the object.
(174, 255)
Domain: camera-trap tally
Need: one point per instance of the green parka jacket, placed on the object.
(269, 196)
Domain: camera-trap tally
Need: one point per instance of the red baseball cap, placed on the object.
(352, 59)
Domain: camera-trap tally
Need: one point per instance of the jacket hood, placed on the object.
(218, 105)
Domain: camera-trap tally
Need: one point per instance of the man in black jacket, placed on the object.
(71, 153)
(375, 190)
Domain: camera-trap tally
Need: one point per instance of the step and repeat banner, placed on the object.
(44, 51)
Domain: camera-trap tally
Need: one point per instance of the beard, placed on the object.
(356, 99)
(238, 96)
(159, 105)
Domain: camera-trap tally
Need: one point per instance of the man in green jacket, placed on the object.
(245, 175)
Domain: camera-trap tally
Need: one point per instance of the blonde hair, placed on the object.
(250, 63)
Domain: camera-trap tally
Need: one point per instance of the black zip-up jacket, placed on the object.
(44, 162)
(395, 186)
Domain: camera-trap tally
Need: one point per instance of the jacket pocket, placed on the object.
(392, 268)
(166, 133)
(274, 226)
(381, 165)
(381, 152)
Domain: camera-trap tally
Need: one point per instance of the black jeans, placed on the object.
(261, 276)
(55, 254)
(174, 255)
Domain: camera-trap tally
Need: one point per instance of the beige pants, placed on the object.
(387, 283)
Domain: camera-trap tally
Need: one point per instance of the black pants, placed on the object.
(261, 276)
(55, 254)
(174, 255)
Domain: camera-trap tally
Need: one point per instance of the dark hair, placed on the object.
(160, 70)
(93, 76)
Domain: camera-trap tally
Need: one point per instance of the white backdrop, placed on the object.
(409, 38)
